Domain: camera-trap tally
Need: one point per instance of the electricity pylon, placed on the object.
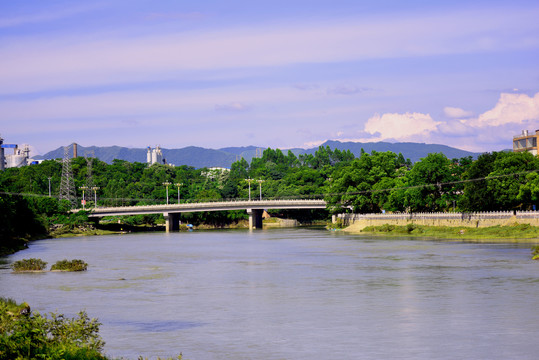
(67, 185)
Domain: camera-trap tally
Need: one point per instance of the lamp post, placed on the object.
(95, 188)
(260, 181)
(249, 181)
(49, 185)
(167, 184)
(178, 185)
(83, 188)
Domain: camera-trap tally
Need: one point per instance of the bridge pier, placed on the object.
(172, 221)
(255, 218)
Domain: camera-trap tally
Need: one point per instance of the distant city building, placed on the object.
(154, 156)
(20, 157)
(526, 142)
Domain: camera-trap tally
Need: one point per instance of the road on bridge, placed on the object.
(172, 212)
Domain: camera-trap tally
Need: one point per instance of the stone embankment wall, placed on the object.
(481, 219)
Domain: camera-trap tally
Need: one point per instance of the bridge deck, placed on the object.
(208, 206)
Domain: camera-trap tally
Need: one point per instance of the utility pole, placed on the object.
(167, 184)
(83, 188)
(249, 181)
(95, 188)
(260, 181)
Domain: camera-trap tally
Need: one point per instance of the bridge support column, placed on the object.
(255, 218)
(172, 221)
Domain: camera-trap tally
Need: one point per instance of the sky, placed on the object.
(279, 74)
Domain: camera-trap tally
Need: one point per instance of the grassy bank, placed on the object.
(513, 233)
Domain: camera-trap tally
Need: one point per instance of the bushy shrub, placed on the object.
(29, 265)
(66, 265)
(25, 335)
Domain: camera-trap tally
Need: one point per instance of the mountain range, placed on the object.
(199, 157)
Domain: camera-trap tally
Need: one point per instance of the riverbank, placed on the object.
(523, 233)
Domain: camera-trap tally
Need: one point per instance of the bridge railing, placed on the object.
(532, 214)
(148, 202)
(214, 204)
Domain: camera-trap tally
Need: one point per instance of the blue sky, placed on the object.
(274, 73)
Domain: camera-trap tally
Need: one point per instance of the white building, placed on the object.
(154, 156)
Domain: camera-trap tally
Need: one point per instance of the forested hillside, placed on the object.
(200, 157)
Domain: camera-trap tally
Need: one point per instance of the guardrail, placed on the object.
(532, 214)
(208, 206)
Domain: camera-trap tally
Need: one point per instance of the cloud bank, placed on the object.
(511, 114)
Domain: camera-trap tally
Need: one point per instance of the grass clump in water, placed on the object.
(29, 265)
(535, 252)
(66, 265)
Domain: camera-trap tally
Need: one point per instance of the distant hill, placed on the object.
(199, 157)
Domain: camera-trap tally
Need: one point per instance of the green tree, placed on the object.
(508, 176)
(426, 181)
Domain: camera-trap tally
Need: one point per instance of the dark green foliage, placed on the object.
(29, 265)
(66, 265)
(18, 223)
(494, 190)
(33, 336)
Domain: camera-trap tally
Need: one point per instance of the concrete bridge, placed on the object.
(172, 212)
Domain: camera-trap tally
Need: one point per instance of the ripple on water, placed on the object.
(156, 325)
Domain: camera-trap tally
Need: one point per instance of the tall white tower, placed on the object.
(154, 155)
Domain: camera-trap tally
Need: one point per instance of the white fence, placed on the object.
(351, 218)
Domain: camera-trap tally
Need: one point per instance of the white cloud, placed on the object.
(401, 127)
(456, 113)
(510, 109)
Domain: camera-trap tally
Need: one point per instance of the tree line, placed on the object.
(372, 182)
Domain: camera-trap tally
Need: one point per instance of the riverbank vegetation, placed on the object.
(516, 232)
(371, 183)
(30, 335)
(25, 334)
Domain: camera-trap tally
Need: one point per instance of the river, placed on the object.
(291, 294)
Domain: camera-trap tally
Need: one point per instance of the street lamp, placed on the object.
(260, 181)
(167, 184)
(95, 188)
(249, 181)
(83, 188)
(178, 185)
